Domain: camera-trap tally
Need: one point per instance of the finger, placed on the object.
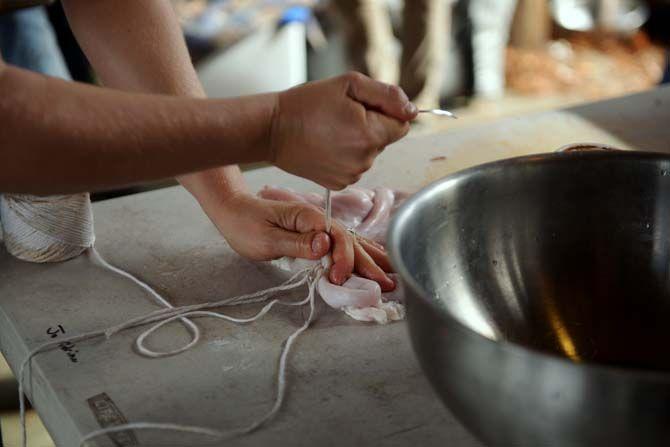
(385, 130)
(298, 217)
(313, 245)
(372, 242)
(320, 245)
(389, 99)
(377, 254)
(332, 182)
(365, 266)
(343, 255)
(300, 231)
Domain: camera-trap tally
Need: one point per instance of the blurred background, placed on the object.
(483, 59)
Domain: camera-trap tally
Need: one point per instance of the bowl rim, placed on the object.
(405, 211)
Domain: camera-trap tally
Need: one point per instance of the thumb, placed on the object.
(311, 245)
(386, 130)
(391, 100)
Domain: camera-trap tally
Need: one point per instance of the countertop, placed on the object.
(349, 383)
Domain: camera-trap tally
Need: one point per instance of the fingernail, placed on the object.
(337, 276)
(318, 243)
(410, 108)
(378, 245)
(404, 95)
(333, 277)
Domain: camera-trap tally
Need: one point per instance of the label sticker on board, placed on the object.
(108, 415)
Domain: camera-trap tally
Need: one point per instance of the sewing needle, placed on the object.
(439, 112)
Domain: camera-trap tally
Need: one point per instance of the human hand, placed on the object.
(331, 131)
(263, 230)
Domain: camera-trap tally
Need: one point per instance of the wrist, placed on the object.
(273, 129)
(214, 188)
(253, 127)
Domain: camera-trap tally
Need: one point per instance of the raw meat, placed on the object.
(368, 212)
(376, 222)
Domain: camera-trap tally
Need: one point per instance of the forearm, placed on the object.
(60, 137)
(138, 46)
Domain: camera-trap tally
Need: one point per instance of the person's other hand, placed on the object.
(263, 230)
(331, 131)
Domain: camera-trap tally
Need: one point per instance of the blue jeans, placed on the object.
(27, 40)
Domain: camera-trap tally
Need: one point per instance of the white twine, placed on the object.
(47, 229)
(183, 313)
(58, 228)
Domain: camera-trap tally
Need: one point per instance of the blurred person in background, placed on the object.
(371, 45)
(426, 31)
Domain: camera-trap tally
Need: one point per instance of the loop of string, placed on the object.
(58, 228)
(169, 314)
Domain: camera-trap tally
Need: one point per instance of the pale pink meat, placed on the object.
(362, 300)
(315, 199)
(399, 198)
(366, 192)
(368, 213)
(350, 207)
(355, 292)
(384, 313)
(375, 224)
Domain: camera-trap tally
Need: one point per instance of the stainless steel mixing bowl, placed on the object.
(538, 297)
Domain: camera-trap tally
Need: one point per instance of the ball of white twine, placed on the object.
(58, 228)
(47, 229)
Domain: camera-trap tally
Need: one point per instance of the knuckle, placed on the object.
(304, 212)
(396, 93)
(302, 245)
(369, 140)
(339, 185)
(369, 163)
(312, 211)
(353, 76)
